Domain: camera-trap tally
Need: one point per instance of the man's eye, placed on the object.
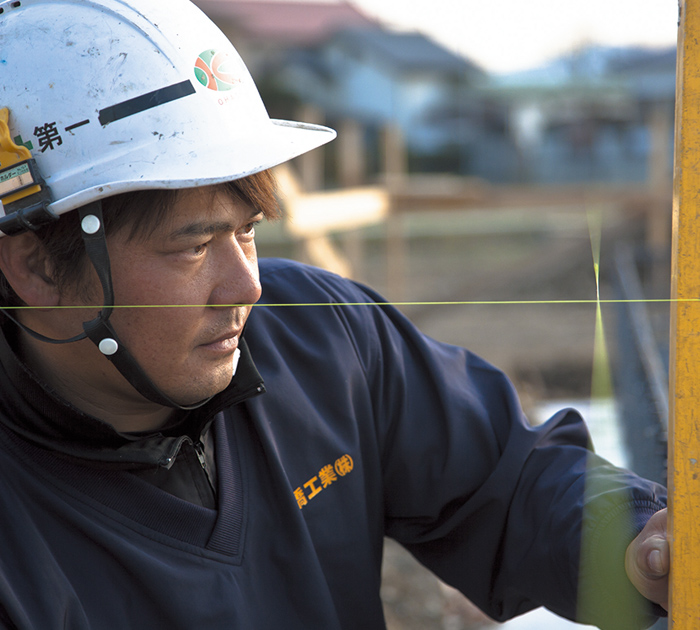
(199, 249)
(250, 228)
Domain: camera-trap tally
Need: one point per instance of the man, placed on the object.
(172, 456)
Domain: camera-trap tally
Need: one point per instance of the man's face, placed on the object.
(202, 263)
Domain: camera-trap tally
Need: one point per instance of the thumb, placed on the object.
(648, 561)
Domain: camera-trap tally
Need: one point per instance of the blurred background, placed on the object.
(484, 150)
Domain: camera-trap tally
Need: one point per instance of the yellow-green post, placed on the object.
(684, 425)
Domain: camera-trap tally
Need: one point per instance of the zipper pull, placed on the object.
(199, 449)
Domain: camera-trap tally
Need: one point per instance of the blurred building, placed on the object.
(265, 31)
(587, 116)
(334, 58)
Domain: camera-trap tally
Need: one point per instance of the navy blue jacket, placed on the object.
(367, 429)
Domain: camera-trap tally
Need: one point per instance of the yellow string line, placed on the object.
(445, 303)
(601, 377)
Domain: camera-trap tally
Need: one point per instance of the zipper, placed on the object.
(209, 474)
(167, 460)
(199, 450)
(202, 481)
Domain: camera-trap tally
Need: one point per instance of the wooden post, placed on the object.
(684, 398)
(395, 158)
(658, 216)
(351, 173)
(351, 154)
(395, 166)
(659, 179)
(311, 163)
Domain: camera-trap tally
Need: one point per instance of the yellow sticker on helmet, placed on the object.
(16, 178)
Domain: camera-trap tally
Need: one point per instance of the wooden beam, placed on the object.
(684, 398)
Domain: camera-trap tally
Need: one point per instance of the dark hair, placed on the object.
(140, 212)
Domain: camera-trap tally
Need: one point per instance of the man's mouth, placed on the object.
(226, 342)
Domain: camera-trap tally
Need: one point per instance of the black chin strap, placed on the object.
(99, 330)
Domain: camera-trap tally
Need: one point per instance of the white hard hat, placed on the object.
(119, 95)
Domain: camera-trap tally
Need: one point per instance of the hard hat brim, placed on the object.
(274, 143)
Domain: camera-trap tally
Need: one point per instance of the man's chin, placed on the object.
(200, 392)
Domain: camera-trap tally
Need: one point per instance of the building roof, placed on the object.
(406, 51)
(299, 23)
(644, 60)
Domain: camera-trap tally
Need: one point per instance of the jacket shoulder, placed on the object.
(288, 281)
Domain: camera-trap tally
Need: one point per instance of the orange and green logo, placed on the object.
(213, 70)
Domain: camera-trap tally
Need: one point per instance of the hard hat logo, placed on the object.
(210, 70)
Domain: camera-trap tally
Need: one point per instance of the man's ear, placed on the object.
(26, 267)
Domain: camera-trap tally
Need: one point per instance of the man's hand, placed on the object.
(648, 560)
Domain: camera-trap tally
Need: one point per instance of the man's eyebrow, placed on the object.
(206, 228)
(201, 228)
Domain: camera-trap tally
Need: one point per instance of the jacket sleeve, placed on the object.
(509, 513)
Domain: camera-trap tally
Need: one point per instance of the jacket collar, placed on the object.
(33, 410)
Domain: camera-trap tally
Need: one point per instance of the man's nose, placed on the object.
(239, 279)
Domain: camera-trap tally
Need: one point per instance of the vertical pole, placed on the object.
(351, 154)
(659, 182)
(351, 173)
(395, 166)
(684, 398)
(659, 179)
(311, 163)
(395, 157)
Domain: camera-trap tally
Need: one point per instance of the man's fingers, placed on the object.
(656, 553)
(648, 561)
